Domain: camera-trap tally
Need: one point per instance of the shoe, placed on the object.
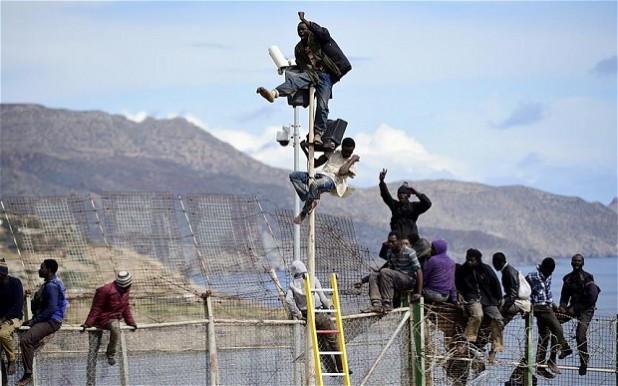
(10, 370)
(544, 373)
(491, 358)
(583, 368)
(553, 367)
(25, 380)
(299, 219)
(387, 308)
(268, 95)
(565, 353)
(311, 206)
(317, 139)
(374, 309)
(111, 361)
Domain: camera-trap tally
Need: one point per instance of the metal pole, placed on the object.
(212, 346)
(296, 141)
(311, 237)
(530, 361)
(124, 362)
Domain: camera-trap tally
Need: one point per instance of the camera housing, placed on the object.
(283, 136)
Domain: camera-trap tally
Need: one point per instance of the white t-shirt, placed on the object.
(331, 169)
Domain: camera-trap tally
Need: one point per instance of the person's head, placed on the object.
(124, 279)
(4, 269)
(347, 147)
(298, 268)
(303, 31)
(498, 260)
(404, 193)
(48, 268)
(547, 266)
(394, 241)
(406, 242)
(577, 262)
(473, 257)
(438, 246)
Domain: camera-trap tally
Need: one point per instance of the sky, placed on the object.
(499, 93)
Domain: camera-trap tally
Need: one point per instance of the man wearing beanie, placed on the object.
(110, 304)
(547, 323)
(404, 213)
(12, 295)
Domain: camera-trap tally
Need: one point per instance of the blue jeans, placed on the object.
(321, 183)
(296, 80)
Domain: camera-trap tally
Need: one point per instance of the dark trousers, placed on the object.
(32, 340)
(382, 284)
(581, 333)
(94, 343)
(548, 325)
(328, 342)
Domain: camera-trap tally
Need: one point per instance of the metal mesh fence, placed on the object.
(180, 247)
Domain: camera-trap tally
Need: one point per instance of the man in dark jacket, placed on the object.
(480, 292)
(404, 212)
(49, 305)
(578, 299)
(110, 304)
(11, 314)
(512, 302)
(321, 64)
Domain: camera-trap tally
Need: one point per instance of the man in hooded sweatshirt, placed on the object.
(297, 305)
(404, 213)
(438, 274)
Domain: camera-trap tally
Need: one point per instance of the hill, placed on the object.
(56, 152)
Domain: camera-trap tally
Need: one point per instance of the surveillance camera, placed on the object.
(283, 136)
(280, 61)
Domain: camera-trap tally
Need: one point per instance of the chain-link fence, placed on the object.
(181, 247)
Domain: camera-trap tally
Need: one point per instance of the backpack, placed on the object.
(524, 287)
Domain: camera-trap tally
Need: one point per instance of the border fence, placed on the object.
(208, 276)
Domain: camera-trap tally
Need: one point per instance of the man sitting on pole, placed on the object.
(321, 64)
(338, 166)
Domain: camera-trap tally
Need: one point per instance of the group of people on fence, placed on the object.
(48, 308)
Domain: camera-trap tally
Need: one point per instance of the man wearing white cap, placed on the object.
(110, 304)
(11, 314)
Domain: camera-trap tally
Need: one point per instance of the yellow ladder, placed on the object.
(309, 291)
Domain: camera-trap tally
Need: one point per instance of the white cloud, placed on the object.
(137, 117)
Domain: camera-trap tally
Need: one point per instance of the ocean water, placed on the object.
(605, 271)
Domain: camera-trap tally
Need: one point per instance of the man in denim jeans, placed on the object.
(338, 166)
(321, 64)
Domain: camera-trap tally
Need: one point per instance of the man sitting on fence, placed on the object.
(516, 289)
(11, 314)
(438, 274)
(110, 304)
(49, 306)
(401, 272)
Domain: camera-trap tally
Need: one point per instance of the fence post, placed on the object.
(529, 354)
(418, 363)
(212, 346)
(616, 358)
(124, 363)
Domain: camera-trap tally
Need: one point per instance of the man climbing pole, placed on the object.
(320, 63)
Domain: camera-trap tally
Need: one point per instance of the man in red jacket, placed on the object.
(110, 304)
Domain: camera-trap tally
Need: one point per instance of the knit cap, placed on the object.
(404, 189)
(124, 279)
(4, 268)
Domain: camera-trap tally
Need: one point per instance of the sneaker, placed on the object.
(25, 380)
(387, 308)
(299, 219)
(583, 368)
(565, 353)
(317, 139)
(374, 309)
(311, 205)
(268, 95)
(491, 358)
(544, 373)
(111, 361)
(11, 369)
(553, 367)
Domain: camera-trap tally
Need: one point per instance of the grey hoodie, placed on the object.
(295, 296)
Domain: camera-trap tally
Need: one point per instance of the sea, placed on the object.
(605, 271)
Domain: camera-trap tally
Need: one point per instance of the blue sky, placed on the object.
(500, 93)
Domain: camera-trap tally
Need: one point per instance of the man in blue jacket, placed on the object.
(49, 305)
(321, 64)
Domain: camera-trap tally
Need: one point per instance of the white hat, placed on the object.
(124, 279)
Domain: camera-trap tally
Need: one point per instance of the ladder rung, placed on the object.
(322, 290)
(334, 374)
(330, 352)
(327, 331)
(325, 310)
